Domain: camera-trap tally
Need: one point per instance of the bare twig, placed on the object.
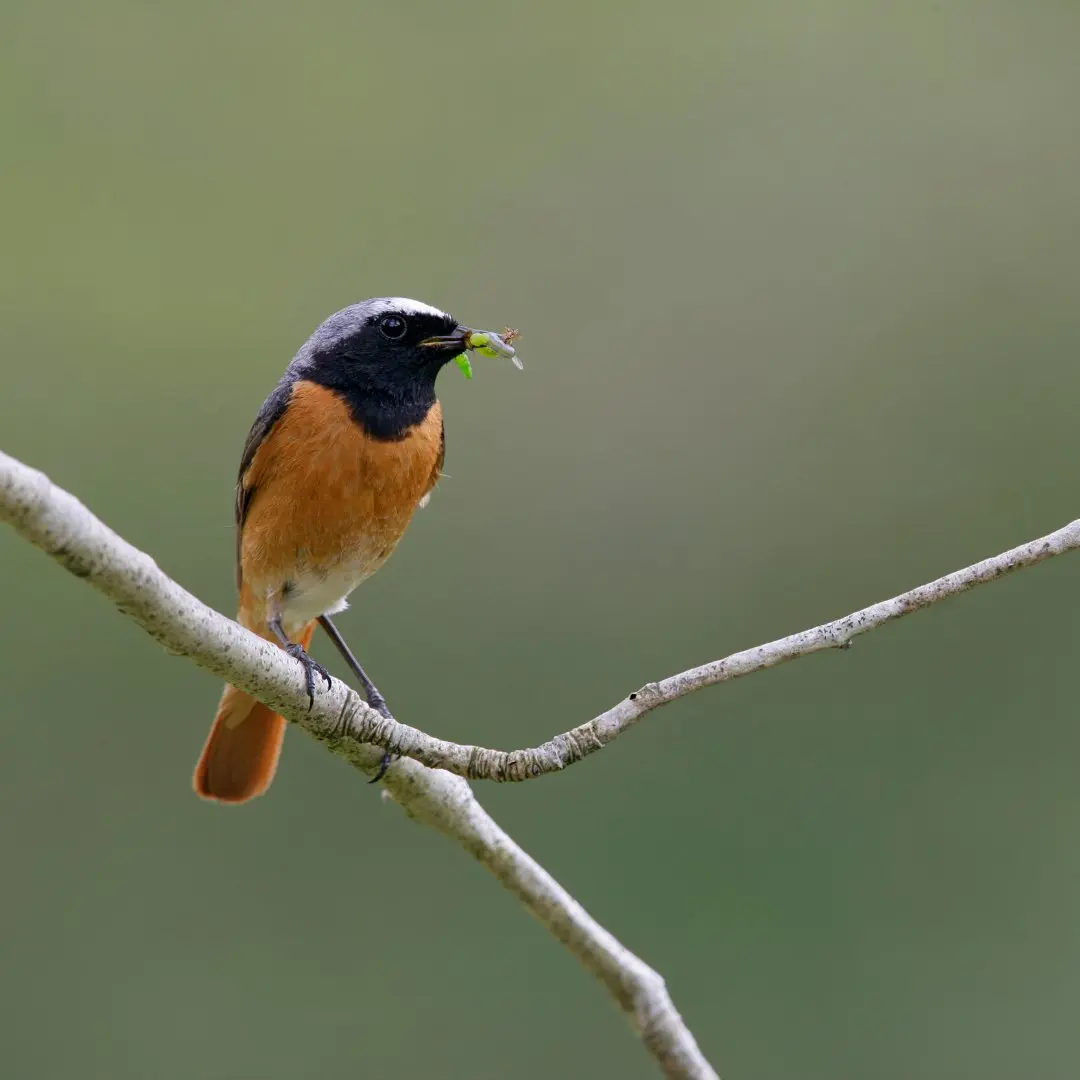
(358, 722)
(60, 525)
(480, 763)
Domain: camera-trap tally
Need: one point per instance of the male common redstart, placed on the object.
(343, 451)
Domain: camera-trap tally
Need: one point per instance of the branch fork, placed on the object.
(428, 781)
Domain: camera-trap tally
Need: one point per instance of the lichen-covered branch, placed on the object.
(479, 763)
(354, 721)
(60, 525)
(565, 749)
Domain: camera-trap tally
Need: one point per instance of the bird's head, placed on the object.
(382, 357)
(388, 344)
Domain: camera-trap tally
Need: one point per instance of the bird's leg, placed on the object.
(297, 652)
(371, 691)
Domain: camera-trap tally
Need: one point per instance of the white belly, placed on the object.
(313, 595)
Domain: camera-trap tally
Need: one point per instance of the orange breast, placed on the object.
(329, 503)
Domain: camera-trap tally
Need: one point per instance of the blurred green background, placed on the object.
(798, 286)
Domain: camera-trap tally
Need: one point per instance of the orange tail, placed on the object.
(241, 753)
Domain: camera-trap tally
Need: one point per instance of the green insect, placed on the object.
(488, 343)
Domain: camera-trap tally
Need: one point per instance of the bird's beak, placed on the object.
(458, 340)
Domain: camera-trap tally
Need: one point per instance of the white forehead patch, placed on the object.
(350, 321)
(404, 305)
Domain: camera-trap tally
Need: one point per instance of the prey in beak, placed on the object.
(485, 342)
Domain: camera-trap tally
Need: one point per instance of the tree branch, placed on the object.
(61, 526)
(480, 763)
(357, 722)
(477, 763)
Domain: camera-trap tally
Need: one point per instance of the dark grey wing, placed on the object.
(273, 408)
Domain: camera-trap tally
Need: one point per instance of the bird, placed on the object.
(343, 451)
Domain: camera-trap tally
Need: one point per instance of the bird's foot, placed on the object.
(376, 701)
(384, 764)
(311, 669)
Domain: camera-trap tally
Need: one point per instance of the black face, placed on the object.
(384, 365)
(387, 348)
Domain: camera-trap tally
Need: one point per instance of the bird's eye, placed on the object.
(392, 326)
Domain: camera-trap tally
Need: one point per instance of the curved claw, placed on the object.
(384, 764)
(298, 652)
